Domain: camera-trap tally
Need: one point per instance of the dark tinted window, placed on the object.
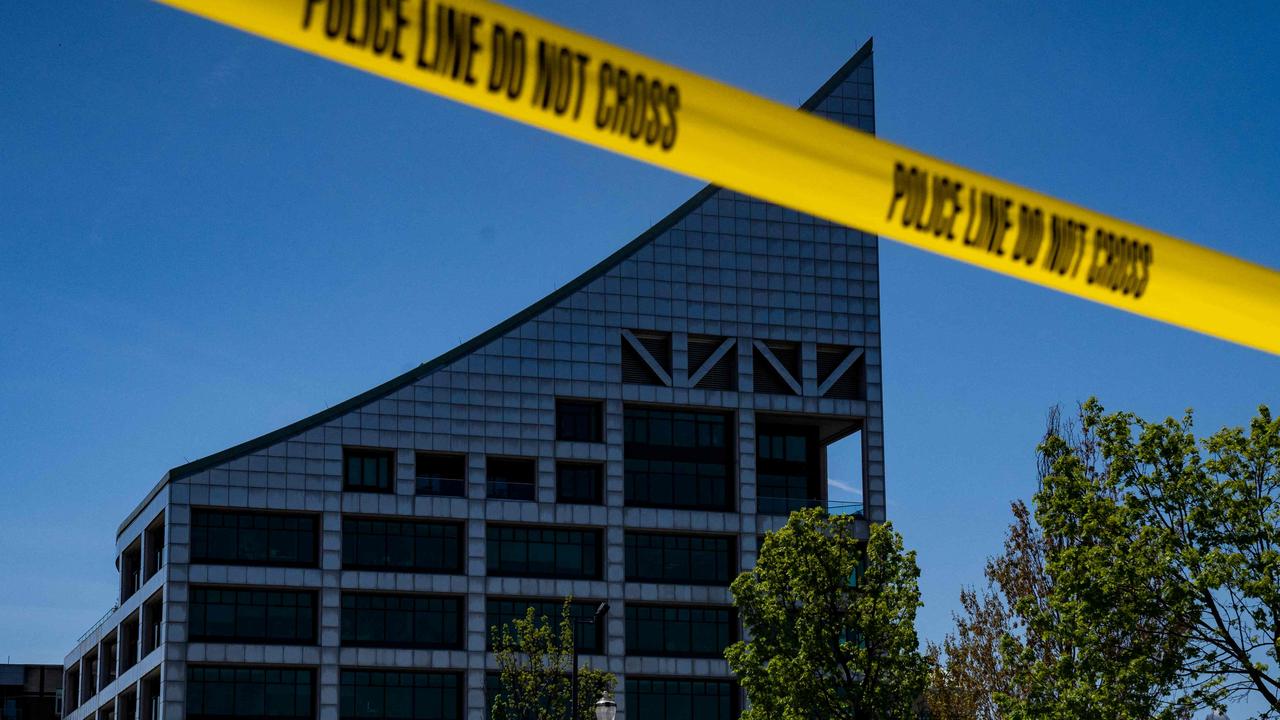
(543, 552)
(786, 468)
(511, 478)
(441, 474)
(256, 615)
(252, 538)
(580, 420)
(411, 621)
(589, 637)
(689, 559)
(579, 483)
(216, 693)
(366, 470)
(677, 630)
(405, 545)
(390, 694)
(678, 458)
(680, 699)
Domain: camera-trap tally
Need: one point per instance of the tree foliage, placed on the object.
(969, 670)
(1164, 571)
(831, 624)
(972, 668)
(535, 661)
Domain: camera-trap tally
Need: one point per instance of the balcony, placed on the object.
(786, 506)
(447, 487)
(844, 507)
(508, 490)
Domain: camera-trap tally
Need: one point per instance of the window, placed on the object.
(368, 470)
(128, 642)
(152, 622)
(130, 570)
(677, 458)
(109, 653)
(579, 483)
(441, 474)
(512, 478)
(681, 699)
(153, 546)
(579, 420)
(239, 537)
(217, 693)
(688, 559)
(676, 630)
(543, 552)
(256, 615)
(786, 468)
(402, 545)
(408, 621)
(400, 694)
(588, 637)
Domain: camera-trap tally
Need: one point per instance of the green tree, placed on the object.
(970, 671)
(535, 662)
(1166, 587)
(831, 624)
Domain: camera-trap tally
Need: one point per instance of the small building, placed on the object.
(30, 692)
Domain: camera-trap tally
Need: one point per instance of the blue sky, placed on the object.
(206, 236)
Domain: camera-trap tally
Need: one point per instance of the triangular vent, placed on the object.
(841, 372)
(635, 370)
(767, 379)
(723, 356)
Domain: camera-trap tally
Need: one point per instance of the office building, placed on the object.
(627, 439)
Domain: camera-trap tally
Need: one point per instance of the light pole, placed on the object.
(606, 708)
(601, 611)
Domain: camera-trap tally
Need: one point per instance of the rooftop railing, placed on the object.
(98, 624)
(785, 506)
(844, 507)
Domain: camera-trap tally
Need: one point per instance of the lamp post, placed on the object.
(601, 611)
(606, 708)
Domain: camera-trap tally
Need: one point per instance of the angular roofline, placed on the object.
(483, 338)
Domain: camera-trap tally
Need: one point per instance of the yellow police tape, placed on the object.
(516, 65)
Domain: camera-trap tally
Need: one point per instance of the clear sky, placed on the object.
(205, 236)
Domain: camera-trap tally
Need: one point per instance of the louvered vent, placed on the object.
(634, 369)
(658, 345)
(788, 355)
(700, 348)
(829, 357)
(851, 384)
(723, 375)
(767, 379)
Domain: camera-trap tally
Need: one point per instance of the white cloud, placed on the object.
(854, 491)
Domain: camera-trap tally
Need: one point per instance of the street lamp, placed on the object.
(606, 708)
(601, 611)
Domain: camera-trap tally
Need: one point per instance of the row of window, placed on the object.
(660, 699)
(672, 458)
(259, 538)
(506, 478)
(289, 617)
(221, 693)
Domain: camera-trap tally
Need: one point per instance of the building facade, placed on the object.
(30, 692)
(627, 439)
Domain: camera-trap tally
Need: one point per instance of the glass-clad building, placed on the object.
(629, 438)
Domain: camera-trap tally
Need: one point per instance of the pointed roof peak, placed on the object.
(839, 77)
(480, 341)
